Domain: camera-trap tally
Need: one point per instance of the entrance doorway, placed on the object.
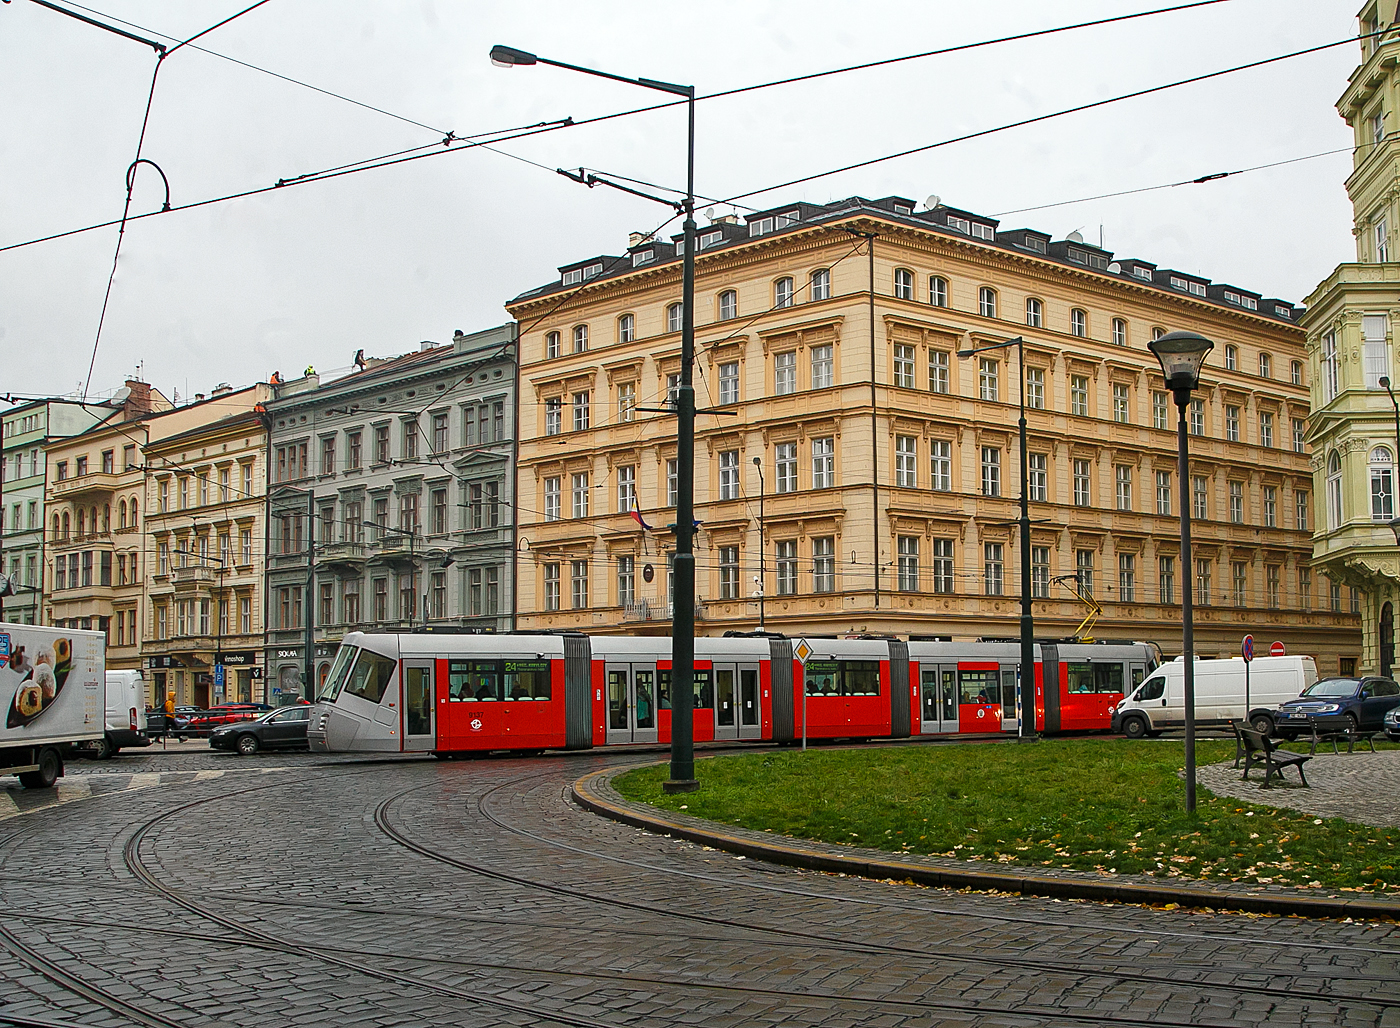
(631, 703)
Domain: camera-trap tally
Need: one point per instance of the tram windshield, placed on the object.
(335, 680)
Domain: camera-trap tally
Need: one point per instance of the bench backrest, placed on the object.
(1255, 742)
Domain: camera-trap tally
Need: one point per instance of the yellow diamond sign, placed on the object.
(802, 650)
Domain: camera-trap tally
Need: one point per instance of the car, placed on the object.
(202, 722)
(1334, 704)
(283, 728)
(1392, 724)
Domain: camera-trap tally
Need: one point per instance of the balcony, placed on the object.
(343, 558)
(93, 484)
(190, 577)
(656, 609)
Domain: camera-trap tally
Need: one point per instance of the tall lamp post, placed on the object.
(1394, 522)
(762, 568)
(683, 617)
(412, 564)
(1181, 355)
(1027, 676)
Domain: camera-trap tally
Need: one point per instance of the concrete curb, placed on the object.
(590, 792)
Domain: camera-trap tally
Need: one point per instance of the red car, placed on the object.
(202, 722)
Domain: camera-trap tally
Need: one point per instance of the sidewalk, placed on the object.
(1359, 787)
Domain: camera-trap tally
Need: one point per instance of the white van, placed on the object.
(126, 715)
(1159, 702)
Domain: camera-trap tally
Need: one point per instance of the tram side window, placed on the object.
(978, 686)
(1108, 678)
(1080, 678)
(527, 680)
(370, 676)
(843, 678)
(703, 683)
(663, 690)
(473, 680)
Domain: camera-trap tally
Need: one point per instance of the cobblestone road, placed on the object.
(1360, 786)
(288, 890)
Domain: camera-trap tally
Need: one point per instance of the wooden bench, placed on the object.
(1260, 749)
(1350, 736)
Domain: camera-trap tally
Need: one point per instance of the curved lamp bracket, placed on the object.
(131, 178)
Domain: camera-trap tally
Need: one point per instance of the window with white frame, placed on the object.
(1034, 312)
(675, 317)
(1198, 417)
(904, 365)
(729, 572)
(1376, 359)
(1120, 403)
(626, 328)
(824, 564)
(580, 338)
(1083, 470)
(1272, 576)
(729, 475)
(906, 461)
(782, 293)
(991, 471)
(578, 584)
(1382, 239)
(626, 488)
(1078, 322)
(1200, 508)
(938, 371)
(822, 370)
(1084, 571)
(579, 482)
(1266, 428)
(1232, 357)
(1296, 372)
(1203, 569)
(553, 415)
(908, 546)
(729, 383)
(1159, 409)
(1037, 477)
(1329, 367)
(1382, 485)
(1236, 490)
(821, 284)
(903, 284)
(1079, 395)
(580, 408)
(785, 463)
(1166, 579)
(551, 344)
(1120, 332)
(987, 370)
(626, 580)
(785, 551)
(987, 302)
(1232, 423)
(672, 481)
(1270, 501)
(1300, 435)
(823, 463)
(942, 565)
(938, 291)
(992, 565)
(728, 305)
(785, 373)
(1127, 578)
(1301, 507)
(1123, 486)
(627, 401)
(551, 587)
(1239, 582)
(1040, 572)
(1266, 366)
(1305, 588)
(1164, 492)
(940, 465)
(1035, 388)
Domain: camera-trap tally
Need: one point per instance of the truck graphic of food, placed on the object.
(43, 680)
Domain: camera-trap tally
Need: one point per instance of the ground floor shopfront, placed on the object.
(205, 678)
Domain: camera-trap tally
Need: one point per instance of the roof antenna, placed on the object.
(1101, 235)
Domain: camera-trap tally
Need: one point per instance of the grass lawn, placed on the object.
(1105, 805)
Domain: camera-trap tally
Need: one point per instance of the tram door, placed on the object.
(631, 703)
(737, 713)
(419, 730)
(938, 687)
(1010, 702)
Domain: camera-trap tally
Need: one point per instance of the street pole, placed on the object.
(308, 689)
(762, 554)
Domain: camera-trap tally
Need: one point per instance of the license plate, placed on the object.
(1297, 715)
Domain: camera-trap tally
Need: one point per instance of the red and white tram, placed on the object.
(442, 693)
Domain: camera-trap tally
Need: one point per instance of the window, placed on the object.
(1198, 417)
(551, 499)
(940, 465)
(672, 479)
(1329, 366)
(578, 584)
(786, 550)
(626, 328)
(1037, 477)
(904, 365)
(1159, 410)
(579, 492)
(729, 572)
(1271, 583)
(824, 564)
(1305, 588)
(440, 432)
(823, 463)
(1232, 357)
(626, 488)
(991, 471)
(729, 383)
(245, 540)
(184, 494)
(439, 501)
(1166, 576)
(1236, 503)
(1382, 241)
(1035, 388)
(1082, 473)
(1266, 366)
(1199, 510)
(1084, 571)
(551, 587)
(942, 564)
(580, 339)
(1266, 429)
(821, 284)
(1127, 578)
(1300, 509)
(987, 370)
(1079, 395)
(580, 408)
(729, 475)
(908, 574)
(1120, 403)
(1078, 322)
(675, 314)
(785, 463)
(992, 569)
(1040, 572)
(938, 291)
(903, 284)
(626, 581)
(626, 401)
(1334, 492)
(987, 302)
(905, 462)
(1034, 312)
(821, 366)
(1270, 506)
(1164, 492)
(1232, 423)
(1382, 485)
(1296, 373)
(381, 599)
(728, 305)
(551, 344)
(785, 373)
(381, 444)
(1120, 332)
(1123, 486)
(938, 371)
(410, 441)
(1376, 360)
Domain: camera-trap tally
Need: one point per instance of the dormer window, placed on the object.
(1094, 260)
(592, 271)
(1197, 288)
(960, 225)
(1179, 283)
(1035, 243)
(980, 231)
(1283, 312)
(762, 226)
(1078, 256)
(900, 208)
(1143, 273)
(573, 278)
(1232, 297)
(708, 239)
(643, 257)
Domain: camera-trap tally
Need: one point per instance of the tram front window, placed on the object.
(335, 681)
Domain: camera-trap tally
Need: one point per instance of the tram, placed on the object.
(452, 694)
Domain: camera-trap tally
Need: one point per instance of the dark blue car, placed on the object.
(1334, 704)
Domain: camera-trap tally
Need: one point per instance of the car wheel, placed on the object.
(1263, 724)
(50, 767)
(247, 745)
(1352, 724)
(1134, 727)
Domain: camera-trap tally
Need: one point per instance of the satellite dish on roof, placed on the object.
(710, 213)
(932, 201)
(1076, 236)
(1115, 268)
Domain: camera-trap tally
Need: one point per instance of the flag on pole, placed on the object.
(637, 516)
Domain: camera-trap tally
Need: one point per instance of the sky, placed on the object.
(306, 275)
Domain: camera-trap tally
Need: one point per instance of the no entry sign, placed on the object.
(1276, 649)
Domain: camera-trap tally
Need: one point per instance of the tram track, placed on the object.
(808, 939)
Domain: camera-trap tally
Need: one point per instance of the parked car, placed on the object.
(1392, 725)
(283, 728)
(202, 722)
(1339, 703)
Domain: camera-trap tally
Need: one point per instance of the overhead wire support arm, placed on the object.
(585, 177)
(159, 48)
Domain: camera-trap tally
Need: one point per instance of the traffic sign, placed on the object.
(1247, 648)
(1276, 649)
(218, 674)
(802, 650)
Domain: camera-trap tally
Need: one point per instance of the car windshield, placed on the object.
(1332, 687)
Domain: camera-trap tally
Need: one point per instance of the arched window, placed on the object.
(903, 284)
(782, 292)
(67, 524)
(121, 514)
(1296, 373)
(551, 344)
(728, 305)
(580, 338)
(107, 517)
(133, 512)
(1158, 333)
(1034, 312)
(674, 317)
(821, 284)
(1334, 492)
(1232, 357)
(1120, 332)
(938, 290)
(55, 528)
(82, 523)
(1382, 485)
(1266, 366)
(1078, 322)
(987, 302)
(626, 328)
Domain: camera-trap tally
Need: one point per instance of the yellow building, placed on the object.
(864, 478)
(1351, 322)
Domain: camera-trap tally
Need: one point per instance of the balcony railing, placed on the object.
(655, 609)
(193, 575)
(92, 483)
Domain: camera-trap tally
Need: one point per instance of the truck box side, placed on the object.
(52, 686)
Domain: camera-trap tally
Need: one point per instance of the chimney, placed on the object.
(426, 344)
(638, 238)
(725, 219)
(221, 389)
(139, 400)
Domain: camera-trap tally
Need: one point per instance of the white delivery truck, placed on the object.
(1160, 702)
(52, 698)
(126, 715)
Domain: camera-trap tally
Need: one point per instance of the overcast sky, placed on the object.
(384, 259)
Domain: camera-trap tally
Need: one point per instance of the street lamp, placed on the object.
(1181, 355)
(683, 563)
(762, 568)
(1027, 620)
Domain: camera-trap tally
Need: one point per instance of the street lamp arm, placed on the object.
(510, 57)
(1017, 341)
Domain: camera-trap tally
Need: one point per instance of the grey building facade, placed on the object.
(391, 503)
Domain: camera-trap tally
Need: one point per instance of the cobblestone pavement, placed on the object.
(369, 893)
(1360, 786)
